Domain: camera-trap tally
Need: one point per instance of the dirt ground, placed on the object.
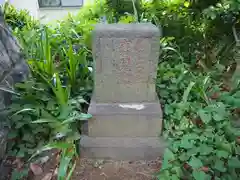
(88, 169)
(116, 170)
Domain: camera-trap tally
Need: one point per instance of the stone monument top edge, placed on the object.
(120, 29)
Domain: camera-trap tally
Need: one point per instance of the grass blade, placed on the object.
(187, 92)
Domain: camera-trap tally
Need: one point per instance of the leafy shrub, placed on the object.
(18, 18)
(120, 8)
(47, 110)
(203, 141)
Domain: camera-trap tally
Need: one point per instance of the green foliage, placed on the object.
(198, 120)
(18, 18)
(199, 111)
(121, 7)
(47, 111)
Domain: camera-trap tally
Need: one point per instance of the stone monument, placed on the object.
(127, 117)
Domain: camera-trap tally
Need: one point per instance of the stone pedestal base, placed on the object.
(124, 131)
(122, 148)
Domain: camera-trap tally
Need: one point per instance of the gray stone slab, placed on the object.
(146, 30)
(125, 120)
(122, 148)
(126, 58)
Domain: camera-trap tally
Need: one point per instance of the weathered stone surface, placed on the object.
(126, 59)
(3, 143)
(13, 69)
(144, 120)
(122, 148)
(124, 104)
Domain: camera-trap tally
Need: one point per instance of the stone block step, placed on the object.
(117, 148)
(125, 120)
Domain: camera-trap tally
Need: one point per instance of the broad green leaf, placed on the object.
(219, 165)
(234, 162)
(168, 155)
(175, 146)
(174, 177)
(164, 175)
(218, 117)
(177, 170)
(232, 174)
(205, 117)
(205, 149)
(168, 109)
(166, 165)
(225, 146)
(193, 136)
(184, 156)
(222, 154)
(195, 163)
(199, 175)
(193, 151)
(64, 113)
(187, 144)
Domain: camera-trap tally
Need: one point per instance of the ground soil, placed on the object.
(116, 170)
(88, 169)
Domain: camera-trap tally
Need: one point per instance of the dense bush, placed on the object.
(18, 18)
(204, 143)
(200, 103)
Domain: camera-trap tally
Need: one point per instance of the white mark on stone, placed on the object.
(132, 106)
(90, 69)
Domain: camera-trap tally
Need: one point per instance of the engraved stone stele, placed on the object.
(127, 116)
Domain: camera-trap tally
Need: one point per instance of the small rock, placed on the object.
(48, 176)
(43, 160)
(55, 172)
(36, 169)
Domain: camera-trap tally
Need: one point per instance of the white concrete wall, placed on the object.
(44, 14)
(51, 14)
(30, 5)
